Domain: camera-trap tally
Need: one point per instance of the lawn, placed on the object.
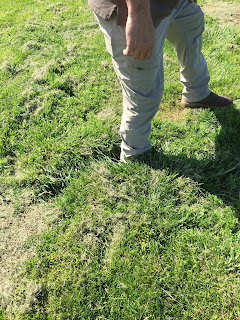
(157, 238)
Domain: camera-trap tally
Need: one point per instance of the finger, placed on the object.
(128, 51)
(149, 53)
(142, 55)
(136, 54)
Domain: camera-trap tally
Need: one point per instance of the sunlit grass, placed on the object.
(157, 238)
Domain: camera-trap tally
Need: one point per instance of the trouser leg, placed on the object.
(141, 98)
(185, 34)
(142, 86)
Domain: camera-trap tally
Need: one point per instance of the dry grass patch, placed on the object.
(177, 114)
(227, 13)
(20, 220)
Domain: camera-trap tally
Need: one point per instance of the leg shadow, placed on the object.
(218, 174)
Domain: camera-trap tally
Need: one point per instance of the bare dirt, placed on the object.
(226, 12)
(20, 219)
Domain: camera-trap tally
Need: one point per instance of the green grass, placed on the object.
(153, 239)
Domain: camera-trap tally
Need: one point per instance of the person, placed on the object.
(135, 31)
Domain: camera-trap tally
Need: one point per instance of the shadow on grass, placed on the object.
(218, 174)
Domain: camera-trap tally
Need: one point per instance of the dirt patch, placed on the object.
(178, 114)
(19, 221)
(226, 12)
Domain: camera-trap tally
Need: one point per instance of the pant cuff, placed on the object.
(187, 97)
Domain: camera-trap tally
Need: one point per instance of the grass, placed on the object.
(153, 239)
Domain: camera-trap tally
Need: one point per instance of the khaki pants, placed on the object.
(143, 81)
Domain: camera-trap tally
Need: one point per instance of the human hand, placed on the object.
(140, 36)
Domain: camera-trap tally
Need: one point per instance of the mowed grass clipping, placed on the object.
(153, 239)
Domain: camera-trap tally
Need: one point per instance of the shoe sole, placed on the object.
(201, 105)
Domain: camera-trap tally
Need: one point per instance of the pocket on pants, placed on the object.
(114, 35)
(144, 76)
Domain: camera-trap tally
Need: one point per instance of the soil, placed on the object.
(20, 219)
(227, 13)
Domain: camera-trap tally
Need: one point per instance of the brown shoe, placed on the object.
(211, 101)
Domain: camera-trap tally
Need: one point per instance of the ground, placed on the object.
(19, 221)
(227, 12)
(22, 218)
